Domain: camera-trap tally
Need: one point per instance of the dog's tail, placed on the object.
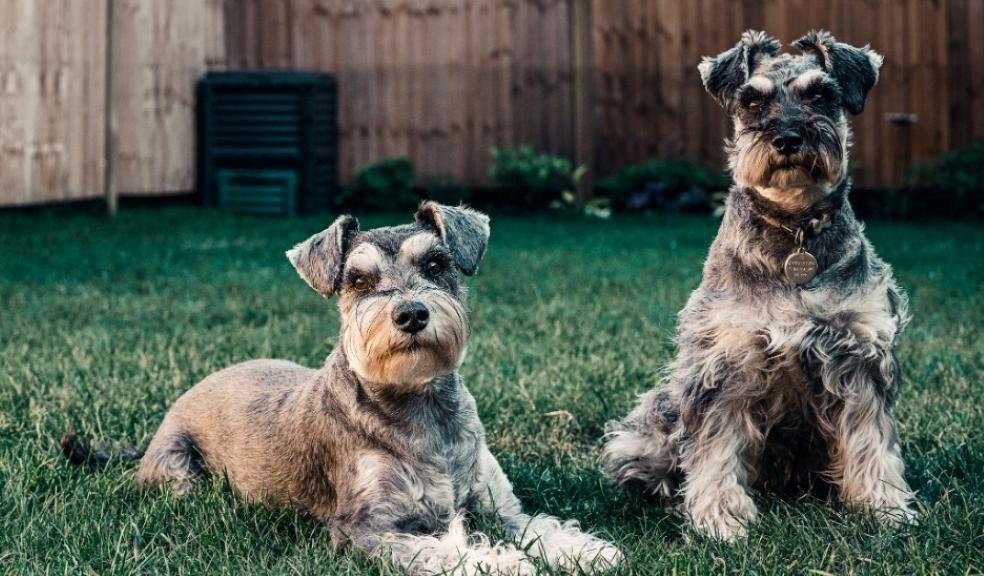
(642, 450)
(79, 451)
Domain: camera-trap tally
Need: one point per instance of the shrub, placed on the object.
(526, 179)
(383, 186)
(664, 185)
(950, 185)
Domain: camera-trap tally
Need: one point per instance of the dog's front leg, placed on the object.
(451, 553)
(716, 462)
(560, 544)
(866, 463)
(384, 516)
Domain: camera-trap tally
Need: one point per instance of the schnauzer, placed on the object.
(383, 442)
(786, 372)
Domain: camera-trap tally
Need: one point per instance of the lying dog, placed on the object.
(786, 370)
(383, 442)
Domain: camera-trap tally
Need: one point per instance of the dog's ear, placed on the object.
(319, 259)
(725, 73)
(854, 69)
(465, 231)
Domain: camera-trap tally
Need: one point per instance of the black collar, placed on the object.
(811, 221)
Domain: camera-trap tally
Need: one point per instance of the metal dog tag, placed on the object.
(800, 267)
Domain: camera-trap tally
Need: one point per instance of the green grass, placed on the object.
(103, 324)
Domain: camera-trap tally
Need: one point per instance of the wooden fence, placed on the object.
(53, 82)
(442, 81)
(650, 100)
(439, 81)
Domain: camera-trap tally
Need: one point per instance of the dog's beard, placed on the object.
(801, 178)
(382, 354)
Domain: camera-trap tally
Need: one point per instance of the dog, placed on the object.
(786, 375)
(383, 442)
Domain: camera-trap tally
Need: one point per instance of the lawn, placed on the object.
(103, 324)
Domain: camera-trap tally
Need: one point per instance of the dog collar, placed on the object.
(813, 221)
(801, 266)
(814, 225)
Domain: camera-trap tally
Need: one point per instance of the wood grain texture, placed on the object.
(656, 106)
(51, 99)
(52, 95)
(163, 48)
(443, 81)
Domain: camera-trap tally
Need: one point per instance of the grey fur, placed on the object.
(855, 69)
(318, 259)
(383, 442)
(724, 73)
(465, 231)
(776, 386)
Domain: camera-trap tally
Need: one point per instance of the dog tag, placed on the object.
(800, 267)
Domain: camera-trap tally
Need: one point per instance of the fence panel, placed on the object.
(51, 100)
(442, 81)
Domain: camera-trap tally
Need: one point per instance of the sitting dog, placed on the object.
(786, 371)
(383, 442)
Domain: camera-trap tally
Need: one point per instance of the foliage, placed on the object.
(596, 207)
(950, 185)
(572, 319)
(383, 186)
(526, 179)
(676, 185)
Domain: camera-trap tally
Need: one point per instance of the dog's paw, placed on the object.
(563, 546)
(724, 527)
(591, 556)
(726, 517)
(896, 516)
(500, 560)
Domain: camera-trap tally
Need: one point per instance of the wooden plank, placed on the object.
(957, 40)
(584, 134)
(975, 49)
(111, 121)
(162, 52)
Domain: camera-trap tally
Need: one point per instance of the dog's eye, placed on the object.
(361, 283)
(754, 105)
(819, 96)
(434, 267)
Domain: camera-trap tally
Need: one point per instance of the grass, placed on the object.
(103, 324)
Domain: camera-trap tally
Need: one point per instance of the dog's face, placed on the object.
(404, 318)
(790, 112)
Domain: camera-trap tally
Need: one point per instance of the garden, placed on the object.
(106, 322)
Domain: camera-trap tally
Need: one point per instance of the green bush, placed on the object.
(383, 186)
(950, 185)
(664, 185)
(528, 180)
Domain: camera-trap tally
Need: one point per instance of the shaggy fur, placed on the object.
(778, 386)
(383, 442)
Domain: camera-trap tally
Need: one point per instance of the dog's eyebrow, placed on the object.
(761, 83)
(366, 257)
(416, 246)
(807, 79)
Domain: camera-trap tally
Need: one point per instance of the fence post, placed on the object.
(110, 121)
(581, 48)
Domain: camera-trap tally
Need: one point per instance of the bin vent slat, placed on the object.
(267, 140)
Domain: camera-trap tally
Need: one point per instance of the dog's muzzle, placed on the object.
(411, 317)
(788, 142)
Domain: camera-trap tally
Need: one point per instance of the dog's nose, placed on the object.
(411, 317)
(789, 142)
